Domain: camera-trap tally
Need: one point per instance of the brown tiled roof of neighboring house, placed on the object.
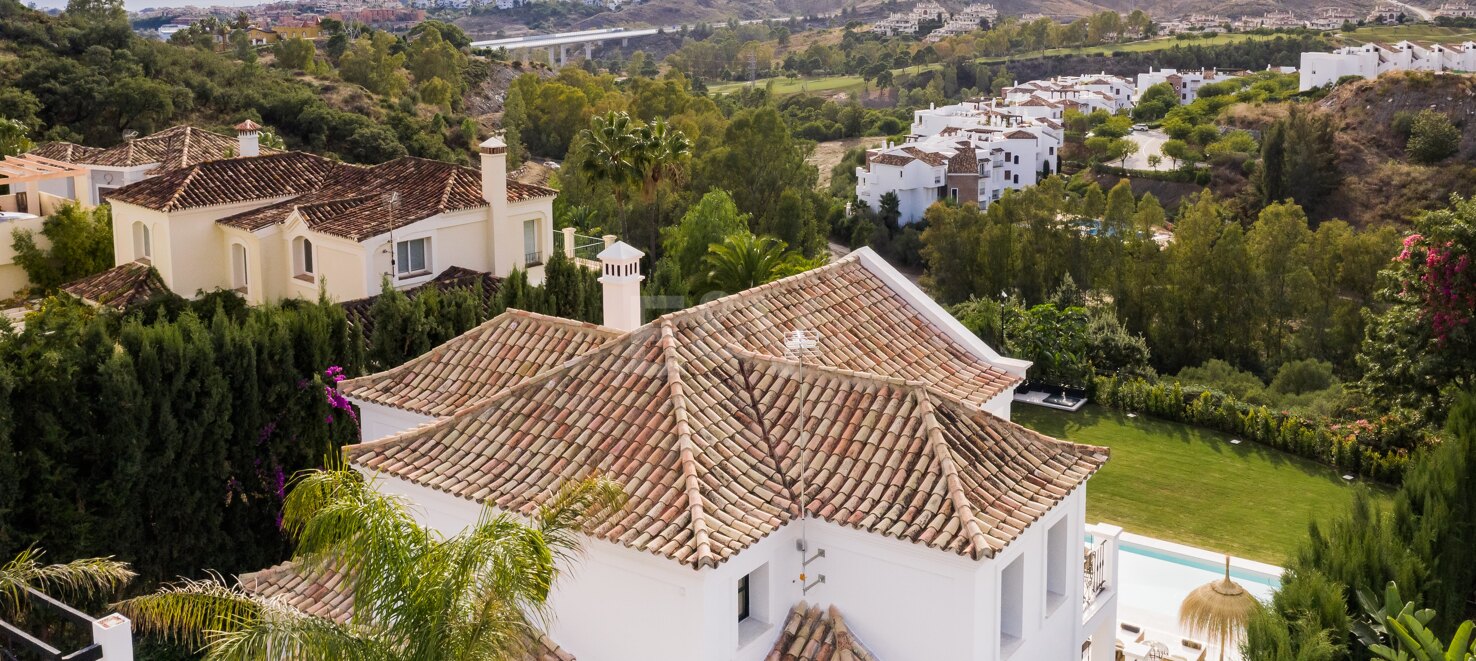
(812, 633)
(326, 594)
(502, 352)
(1020, 135)
(966, 161)
(119, 287)
(891, 159)
(229, 181)
(709, 433)
(349, 201)
(931, 158)
(65, 151)
(171, 148)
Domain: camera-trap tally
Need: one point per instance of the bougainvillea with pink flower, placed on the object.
(1420, 348)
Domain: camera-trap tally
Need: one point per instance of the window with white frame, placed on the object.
(302, 259)
(412, 257)
(143, 249)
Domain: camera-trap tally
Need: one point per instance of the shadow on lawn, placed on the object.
(1077, 427)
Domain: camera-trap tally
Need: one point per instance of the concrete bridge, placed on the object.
(558, 44)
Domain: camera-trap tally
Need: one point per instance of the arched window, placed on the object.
(239, 278)
(143, 249)
(302, 258)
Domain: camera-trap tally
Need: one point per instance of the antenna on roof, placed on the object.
(804, 345)
(130, 134)
(392, 203)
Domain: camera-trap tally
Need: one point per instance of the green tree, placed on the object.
(1299, 159)
(416, 594)
(759, 158)
(514, 122)
(744, 261)
(1277, 244)
(430, 56)
(80, 244)
(1432, 137)
(296, 53)
(437, 92)
(13, 138)
(710, 221)
(1421, 348)
(372, 62)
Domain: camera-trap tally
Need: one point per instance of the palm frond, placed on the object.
(195, 611)
(292, 634)
(78, 578)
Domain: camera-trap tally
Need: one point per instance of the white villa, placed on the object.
(1084, 93)
(1372, 59)
(1208, 23)
(289, 224)
(818, 468)
(1185, 83)
(1456, 10)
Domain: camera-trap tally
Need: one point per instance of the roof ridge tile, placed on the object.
(687, 450)
(962, 507)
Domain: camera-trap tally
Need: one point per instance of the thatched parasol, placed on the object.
(1218, 610)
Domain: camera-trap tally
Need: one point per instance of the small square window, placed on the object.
(412, 257)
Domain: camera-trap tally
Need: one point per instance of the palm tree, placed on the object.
(415, 595)
(743, 261)
(78, 578)
(660, 154)
(609, 154)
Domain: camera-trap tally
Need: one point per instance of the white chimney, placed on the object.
(494, 172)
(248, 139)
(621, 278)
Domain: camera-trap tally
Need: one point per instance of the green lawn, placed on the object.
(1191, 485)
(787, 86)
(1161, 43)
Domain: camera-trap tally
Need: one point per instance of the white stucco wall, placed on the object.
(377, 421)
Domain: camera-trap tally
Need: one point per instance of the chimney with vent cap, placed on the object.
(248, 139)
(620, 277)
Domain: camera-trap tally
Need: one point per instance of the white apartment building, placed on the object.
(1186, 84)
(1386, 14)
(1373, 59)
(1208, 23)
(969, 152)
(1086, 93)
(290, 224)
(1274, 20)
(820, 465)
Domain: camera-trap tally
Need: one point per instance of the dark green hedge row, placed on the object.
(1377, 450)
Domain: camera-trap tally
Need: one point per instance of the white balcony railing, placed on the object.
(1094, 573)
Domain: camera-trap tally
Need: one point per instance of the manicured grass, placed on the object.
(787, 86)
(1161, 43)
(1191, 485)
(1412, 32)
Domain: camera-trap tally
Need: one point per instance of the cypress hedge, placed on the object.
(1378, 451)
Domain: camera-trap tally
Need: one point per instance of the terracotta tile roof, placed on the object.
(1020, 135)
(710, 438)
(327, 595)
(351, 201)
(65, 151)
(812, 633)
(966, 161)
(891, 159)
(230, 180)
(931, 158)
(119, 287)
(502, 352)
(171, 148)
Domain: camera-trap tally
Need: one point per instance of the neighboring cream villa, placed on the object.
(209, 212)
(1372, 59)
(818, 468)
(1186, 83)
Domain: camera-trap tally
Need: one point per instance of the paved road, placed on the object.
(1149, 143)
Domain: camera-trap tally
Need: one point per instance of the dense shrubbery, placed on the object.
(1376, 449)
